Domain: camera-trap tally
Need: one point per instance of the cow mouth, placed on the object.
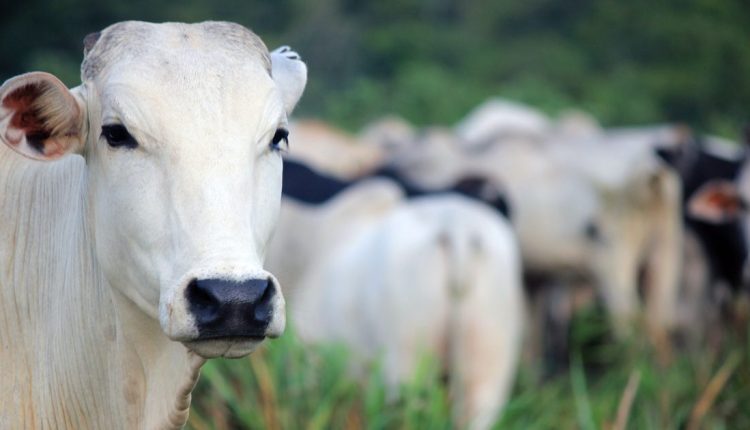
(224, 346)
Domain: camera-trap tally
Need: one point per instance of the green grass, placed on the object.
(287, 386)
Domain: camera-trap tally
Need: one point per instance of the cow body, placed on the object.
(332, 150)
(712, 171)
(436, 275)
(166, 181)
(699, 162)
(301, 182)
(591, 204)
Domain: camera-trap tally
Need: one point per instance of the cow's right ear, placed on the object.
(716, 202)
(40, 117)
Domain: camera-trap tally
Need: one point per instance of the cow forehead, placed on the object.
(217, 74)
(221, 46)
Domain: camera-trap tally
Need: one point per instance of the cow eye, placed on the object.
(118, 136)
(280, 140)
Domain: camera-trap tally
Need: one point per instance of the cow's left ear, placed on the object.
(40, 117)
(716, 202)
(290, 75)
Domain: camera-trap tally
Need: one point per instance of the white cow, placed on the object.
(601, 206)
(395, 280)
(390, 133)
(139, 252)
(333, 150)
(498, 119)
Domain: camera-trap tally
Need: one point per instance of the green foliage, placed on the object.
(285, 385)
(432, 60)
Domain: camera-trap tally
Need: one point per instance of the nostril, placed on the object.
(264, 308)
(229, 308)
(203, 303)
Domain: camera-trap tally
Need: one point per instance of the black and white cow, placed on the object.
(699, 162)
(393, 278)
(305, 184)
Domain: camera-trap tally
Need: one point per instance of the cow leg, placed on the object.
(665, 260)
(537, 289)
(696, 312)
(617, 276)
(483, 363)
(557, 319)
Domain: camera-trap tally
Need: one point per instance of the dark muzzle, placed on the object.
(223, 308)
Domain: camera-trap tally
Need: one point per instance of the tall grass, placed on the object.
(285, 385)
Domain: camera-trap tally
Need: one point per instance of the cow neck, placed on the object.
(160, 372)
(74, 354)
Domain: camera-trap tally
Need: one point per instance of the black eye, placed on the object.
(117, 136)
(280, 140)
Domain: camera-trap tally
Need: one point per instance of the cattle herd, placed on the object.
(138, 209)
(477, 243)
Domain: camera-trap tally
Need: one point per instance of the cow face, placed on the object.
(181, 127)
(722, 201)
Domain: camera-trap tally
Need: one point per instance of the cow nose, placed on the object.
(223, 308)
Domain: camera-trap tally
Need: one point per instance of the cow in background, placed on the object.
(700, 161)
(306, 184)
(394, 279)
(598, 206)
(715, 172)
(332, 150)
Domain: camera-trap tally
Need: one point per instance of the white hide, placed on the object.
(438, 275)
(576, 124)
(331, 150)
(609, 185)
(433, 159)
(498, 119)
(96, 248)
(389, 133)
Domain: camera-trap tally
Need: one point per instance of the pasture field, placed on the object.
(605, 385)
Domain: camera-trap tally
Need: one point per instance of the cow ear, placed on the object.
(40, 117)
(290, 75)
(716, 202)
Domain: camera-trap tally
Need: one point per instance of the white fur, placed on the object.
(724, 148)
(440, 275)
(332, 150)
(95, 254)
(498, 119)
(612, 181)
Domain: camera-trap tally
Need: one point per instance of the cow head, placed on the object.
(181, 127)
(723, 201)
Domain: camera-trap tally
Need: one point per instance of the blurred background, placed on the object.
(430, 63)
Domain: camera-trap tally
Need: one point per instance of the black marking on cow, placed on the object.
(474, 187)
(482, 189)
(723, 244)
(304, 184)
